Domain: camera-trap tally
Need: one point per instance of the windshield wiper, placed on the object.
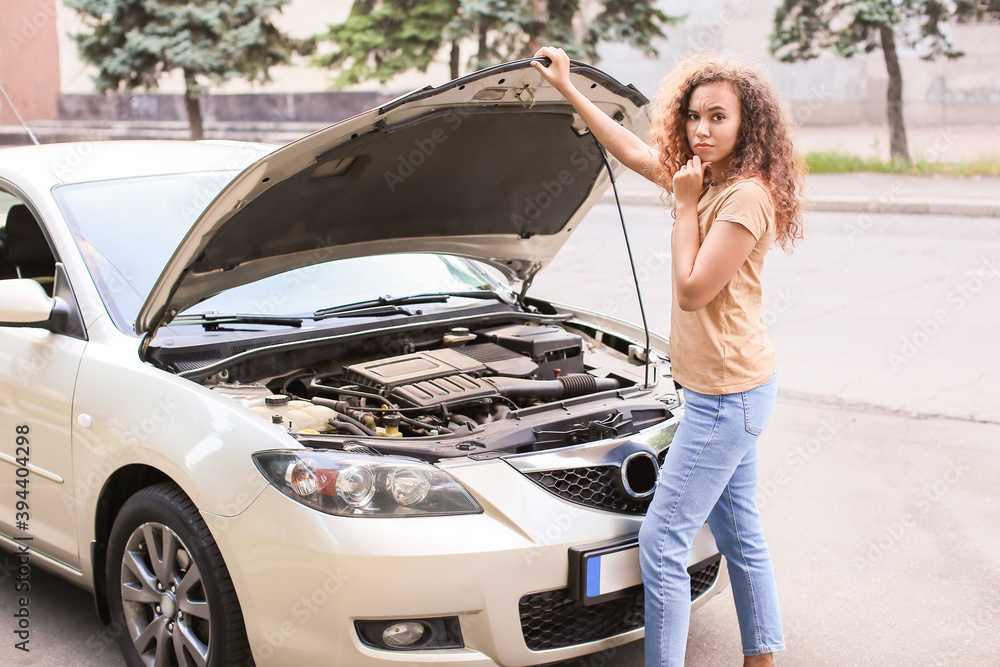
(213, 321)
(385, 305)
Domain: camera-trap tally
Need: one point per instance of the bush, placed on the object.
(839, 162)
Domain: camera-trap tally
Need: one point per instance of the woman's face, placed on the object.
(713, 124)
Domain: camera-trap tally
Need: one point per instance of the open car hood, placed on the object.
(494, 166)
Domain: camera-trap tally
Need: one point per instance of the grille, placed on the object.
(186, 361)
(662, 456)
(703, 578)
(240, 348)
(554, 620)
(595, 487)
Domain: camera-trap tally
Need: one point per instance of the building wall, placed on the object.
(825, 91)
(29, 59)
(829, 90)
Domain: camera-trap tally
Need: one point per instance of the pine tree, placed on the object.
(383, 38)
(133, 43)
(805, 28)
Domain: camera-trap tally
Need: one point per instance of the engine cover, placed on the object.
(452, 390)
(411, 368)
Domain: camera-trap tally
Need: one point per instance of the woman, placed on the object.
(721, 147)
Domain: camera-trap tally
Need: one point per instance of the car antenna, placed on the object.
(631, 261)
(20, 120)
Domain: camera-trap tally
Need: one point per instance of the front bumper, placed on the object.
(304, 578)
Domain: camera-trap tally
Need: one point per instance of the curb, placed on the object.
(982, 208)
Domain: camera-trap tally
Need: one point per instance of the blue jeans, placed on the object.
(710, 474)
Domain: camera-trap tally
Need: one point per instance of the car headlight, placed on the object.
(344, 484)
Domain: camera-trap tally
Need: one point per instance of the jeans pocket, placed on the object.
(752, 426)
(758, 406)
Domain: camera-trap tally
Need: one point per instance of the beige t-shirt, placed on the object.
(723, 348)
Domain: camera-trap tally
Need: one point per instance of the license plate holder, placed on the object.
(605, 570)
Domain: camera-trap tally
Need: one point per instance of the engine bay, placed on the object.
(461, 391)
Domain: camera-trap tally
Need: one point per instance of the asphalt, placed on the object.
(860, 192)
(878, 473)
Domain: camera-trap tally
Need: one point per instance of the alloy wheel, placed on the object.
(163, 598)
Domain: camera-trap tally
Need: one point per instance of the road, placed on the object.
(877, 472)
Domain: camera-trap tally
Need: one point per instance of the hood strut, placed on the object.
(628, 246)
(524, 288)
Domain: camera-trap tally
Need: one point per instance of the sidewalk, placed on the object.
(52, 131)
(975, 196)
(863, 192)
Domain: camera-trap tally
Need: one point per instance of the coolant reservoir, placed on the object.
(247, 395)
(296, 415)
(319, 414)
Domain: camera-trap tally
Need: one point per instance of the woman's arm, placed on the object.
(629, 149)
(701, 270)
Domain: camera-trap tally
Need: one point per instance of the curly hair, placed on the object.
(763, 149)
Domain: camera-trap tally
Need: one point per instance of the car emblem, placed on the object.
(639, 471)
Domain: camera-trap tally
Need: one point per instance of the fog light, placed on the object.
(356, 486)
(404, 634)
(411, 634)
(408, 486)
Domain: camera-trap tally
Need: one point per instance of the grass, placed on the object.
(839, 162)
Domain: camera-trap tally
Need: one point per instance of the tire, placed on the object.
(169, 587)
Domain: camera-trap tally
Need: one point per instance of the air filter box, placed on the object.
(551, 347)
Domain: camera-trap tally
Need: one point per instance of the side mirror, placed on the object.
(23, 303)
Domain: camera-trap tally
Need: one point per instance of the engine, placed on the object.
(470, 380)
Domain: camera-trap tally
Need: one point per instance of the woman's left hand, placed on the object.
(688, 181)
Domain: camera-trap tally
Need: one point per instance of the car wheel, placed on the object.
(168, 583)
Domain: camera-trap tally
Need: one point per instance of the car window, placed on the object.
(6, 201)
(127, 230)
(344, 281)
(24, 250)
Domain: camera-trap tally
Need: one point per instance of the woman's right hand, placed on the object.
(557, 73)
(688, 181)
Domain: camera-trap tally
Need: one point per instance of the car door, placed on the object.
(38, 370)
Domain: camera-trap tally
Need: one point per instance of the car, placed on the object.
(296, 406)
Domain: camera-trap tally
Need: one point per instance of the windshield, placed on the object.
(127, 230)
